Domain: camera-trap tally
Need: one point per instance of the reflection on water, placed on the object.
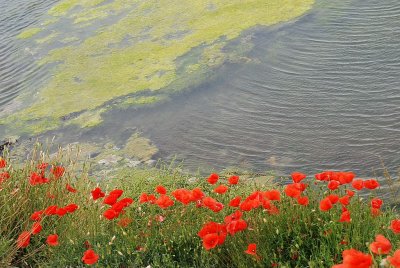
(320, 93)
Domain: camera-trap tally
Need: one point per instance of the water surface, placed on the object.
(321, 92)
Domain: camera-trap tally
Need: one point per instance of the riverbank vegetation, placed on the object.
(53, 214)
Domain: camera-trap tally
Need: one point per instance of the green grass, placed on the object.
(298, 236)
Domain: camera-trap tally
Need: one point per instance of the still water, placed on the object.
(321, 92)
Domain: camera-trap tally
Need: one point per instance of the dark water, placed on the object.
(18, 71)
(322, 92)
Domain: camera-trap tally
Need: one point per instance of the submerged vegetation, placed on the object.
(137, 46)
(53, 214)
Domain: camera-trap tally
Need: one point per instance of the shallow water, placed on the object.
(322, 92)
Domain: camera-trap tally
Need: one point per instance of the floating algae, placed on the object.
(159, 33)
(28, 33)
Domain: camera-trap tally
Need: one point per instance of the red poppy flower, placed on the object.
(124, 222)
(376, 203)
(110, 199)
(321, 176)
(52, 240)
(211, 227)
(248, 205)
(110, 214)
(381, 245)
(197, 194)
(236, 226)
(301, 186)
(297, 176)
(395, 226)
(164, 201)
(36, 228)
(344, 200)
(235, 202)
(333, 198)
(3, 163)
(36, 179)
(350, 193)
(395, 260)
(355, 259)
(213, 178)
(151, 198)
(51, 210)
(221, 189)
(161, 189)
(58, 171)
(345, 177)
(233, 217)
(37, 215)
(42, 166)
(302, 200)
(273, 195)
(375, 212)
(273, 210)
(71, 207)
(371, 184)
(333, 185)
(345, 217)
(292, 191)
(61, 212)
(358, 184)
(210, 241)
(183, 195)
(116, 192)
(233, 180)
(24, 239)
(97, 193)
(143, 198)
(3, 176)
(70, 188)
(325, 204)
(251, 249)
(266, 204)
(216, 207)
(90, 257)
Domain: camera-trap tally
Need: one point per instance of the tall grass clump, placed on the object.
(53, 214)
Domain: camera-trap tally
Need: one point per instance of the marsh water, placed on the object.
(320, 92)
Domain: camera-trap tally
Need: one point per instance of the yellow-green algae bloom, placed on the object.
(140, 50)
(28, 33)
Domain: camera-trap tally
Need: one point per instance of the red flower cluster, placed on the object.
(117, 207)
(36, 179)
(296, 189)
(3, 176)
(355, 259)
(212, 234)
(3, 163)
(57, 171)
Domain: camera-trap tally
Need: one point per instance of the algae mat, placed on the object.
(117, 50)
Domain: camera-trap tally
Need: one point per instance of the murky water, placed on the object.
(322, 92)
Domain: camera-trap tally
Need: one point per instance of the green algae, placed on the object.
(139, 147)
(88, 119)
(47, 38)
(131, 101)
(28, 33)
(160, 33)
(64, 6)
